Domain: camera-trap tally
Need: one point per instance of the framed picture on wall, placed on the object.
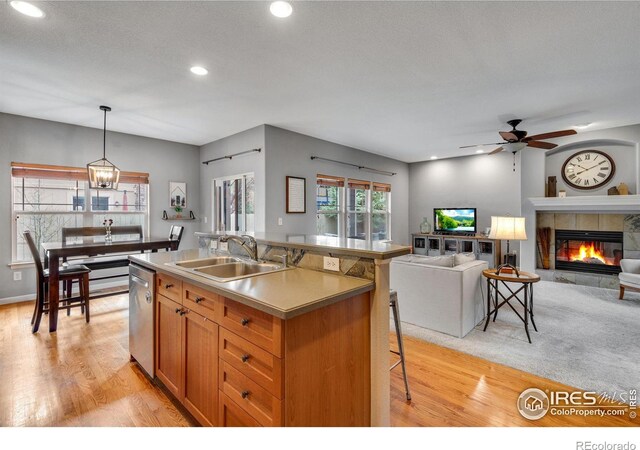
(296, 195)
(177, 194)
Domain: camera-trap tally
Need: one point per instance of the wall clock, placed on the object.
(588, 169)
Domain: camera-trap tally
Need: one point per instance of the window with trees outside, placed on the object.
(329, 201)
(356, 209)
(46, 199)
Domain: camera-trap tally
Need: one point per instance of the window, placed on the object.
(358, 199)
(329, 200)
(234, 203)
(357, 209)
(48, 198)
(380, 211)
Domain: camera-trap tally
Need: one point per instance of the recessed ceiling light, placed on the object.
(480, 151)
(27, 9)
(582, 126)
(281, 9)
(434, 157)
(199, 70)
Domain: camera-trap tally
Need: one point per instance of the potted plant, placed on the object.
(178, 210)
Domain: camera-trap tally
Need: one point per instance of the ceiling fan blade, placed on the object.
(479, 145)
(508, 136)
(553, 134)
(540, 144)
(497, 150)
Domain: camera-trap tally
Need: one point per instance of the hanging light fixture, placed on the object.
(103, 174)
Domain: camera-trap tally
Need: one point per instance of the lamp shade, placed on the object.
(509, 228)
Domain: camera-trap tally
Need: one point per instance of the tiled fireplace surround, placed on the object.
(628, 224)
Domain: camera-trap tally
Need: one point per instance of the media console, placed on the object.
(436, 244)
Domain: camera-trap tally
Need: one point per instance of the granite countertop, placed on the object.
(336, 245)
(284, 294)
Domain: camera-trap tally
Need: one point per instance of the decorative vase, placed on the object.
(425, 226)
(107, 237)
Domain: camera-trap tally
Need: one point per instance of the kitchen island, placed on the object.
(295, 347)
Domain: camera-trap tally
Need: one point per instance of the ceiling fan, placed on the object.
(516, 140)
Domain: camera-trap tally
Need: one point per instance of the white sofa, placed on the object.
(440, 298)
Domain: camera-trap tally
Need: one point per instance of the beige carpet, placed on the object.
(586, 338)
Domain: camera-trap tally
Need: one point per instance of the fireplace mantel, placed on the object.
(621, 204)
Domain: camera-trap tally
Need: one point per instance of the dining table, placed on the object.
(92, 246)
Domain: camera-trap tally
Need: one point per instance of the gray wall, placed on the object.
(289, 154)
(252, 162)
(24, 139)
(487, 183)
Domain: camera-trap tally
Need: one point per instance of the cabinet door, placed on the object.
(200, 350)
(169, 345)
(231, 415)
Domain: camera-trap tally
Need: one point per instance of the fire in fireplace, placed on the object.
(589, 251)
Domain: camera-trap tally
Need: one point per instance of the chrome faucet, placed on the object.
(251, 248)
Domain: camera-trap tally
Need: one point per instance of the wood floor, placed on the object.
(81, 376)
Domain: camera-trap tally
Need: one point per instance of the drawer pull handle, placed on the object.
(245, 322)
(177, 310)
(199, 299)
(245, 358)
(245, 394)
(183, 312)
(168, 286)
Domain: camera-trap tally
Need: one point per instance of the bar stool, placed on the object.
(393, 304)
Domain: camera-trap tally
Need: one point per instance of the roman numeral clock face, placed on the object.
(588, 169)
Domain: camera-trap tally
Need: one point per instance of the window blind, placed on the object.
(43, 171)
(381, 187)
(328, 180)
(359, 184)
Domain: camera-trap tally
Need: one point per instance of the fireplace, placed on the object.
(589, 251)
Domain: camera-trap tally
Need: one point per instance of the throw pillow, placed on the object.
(461, 258)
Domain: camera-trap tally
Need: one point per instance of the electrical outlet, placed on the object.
(213, 245)
(224, 246)
(17, 276)
(205, 219)
(332, 264)
(280, 221)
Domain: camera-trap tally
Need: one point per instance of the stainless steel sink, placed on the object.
(194, 263)
(227, 268)
(237, 270)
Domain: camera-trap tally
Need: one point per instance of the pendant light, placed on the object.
(103, 174)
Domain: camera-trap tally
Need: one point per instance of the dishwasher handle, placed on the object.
(140, 281)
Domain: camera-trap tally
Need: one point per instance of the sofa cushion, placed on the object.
(439, 261)
(461, 258)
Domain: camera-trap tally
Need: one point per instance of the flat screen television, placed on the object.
(454, 220)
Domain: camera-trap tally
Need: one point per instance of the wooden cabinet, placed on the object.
(200, 366)
(169, 344)
(187, 358)
(169, 287)
(231, 415)
(233, 365)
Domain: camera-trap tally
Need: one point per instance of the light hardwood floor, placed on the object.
(81, 376)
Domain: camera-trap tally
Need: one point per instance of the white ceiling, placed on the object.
(403, 79)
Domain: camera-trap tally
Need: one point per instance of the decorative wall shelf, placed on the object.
(191, 217)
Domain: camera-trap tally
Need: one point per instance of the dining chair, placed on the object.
(77, 272)
(175, 234)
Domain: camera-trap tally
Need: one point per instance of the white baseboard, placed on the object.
(31, 297)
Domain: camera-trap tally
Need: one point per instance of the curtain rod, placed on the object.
(368, 169)
(232, 156)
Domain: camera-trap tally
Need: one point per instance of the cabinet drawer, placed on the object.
(258, 327)
(231, 415)
(250, 396)
(170, 287)
(252, 361)
(198, 300)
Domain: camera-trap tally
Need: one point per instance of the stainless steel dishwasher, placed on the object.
(141, 315)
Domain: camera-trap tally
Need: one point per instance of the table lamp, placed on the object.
(509, 228)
